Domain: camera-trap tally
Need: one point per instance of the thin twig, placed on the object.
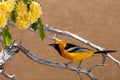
(115, 60)
(10, 77)
(96, 65)
(5, 74)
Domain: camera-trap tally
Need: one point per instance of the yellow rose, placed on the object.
(35, 11)
(10, 4)
(3, 21)
(21, 8)
(3, 8)
(22, 21)
(6, 7)
(26, 17)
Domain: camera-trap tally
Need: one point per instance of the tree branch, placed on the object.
(8, 53)
(57, 31)
(15, 47)
(54, 64)
(5, 55)
(10, 77)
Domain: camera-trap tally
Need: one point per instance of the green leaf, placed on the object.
(7, 37)
(25, 1)
(41, 29)
(13, 15)
(34, 26)
(28, 1)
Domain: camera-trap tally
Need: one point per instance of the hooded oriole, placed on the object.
(74, 52)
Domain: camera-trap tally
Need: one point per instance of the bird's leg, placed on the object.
(79, 64)
(68, 63)
(79, 71)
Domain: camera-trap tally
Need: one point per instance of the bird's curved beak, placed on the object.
(51, 45)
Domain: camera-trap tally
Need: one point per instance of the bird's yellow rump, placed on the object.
(74, 52)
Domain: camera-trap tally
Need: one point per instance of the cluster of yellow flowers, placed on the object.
(24, 13)
(25, 16)
(5, 9)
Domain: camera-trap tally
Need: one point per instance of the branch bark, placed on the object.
(10, 77)
(5, 55)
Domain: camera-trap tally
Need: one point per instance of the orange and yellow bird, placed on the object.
(74, 52)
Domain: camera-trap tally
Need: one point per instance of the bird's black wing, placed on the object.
(74, 48)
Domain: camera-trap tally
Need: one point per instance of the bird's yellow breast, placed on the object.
(77, 56)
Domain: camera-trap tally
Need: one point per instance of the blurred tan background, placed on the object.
(95, 20)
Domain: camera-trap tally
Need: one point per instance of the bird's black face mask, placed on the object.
(56, 46)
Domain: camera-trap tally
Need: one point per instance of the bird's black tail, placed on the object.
(105, 51)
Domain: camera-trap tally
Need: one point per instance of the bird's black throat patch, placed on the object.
(56, 46)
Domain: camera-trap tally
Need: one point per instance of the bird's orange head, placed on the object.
(58, 45)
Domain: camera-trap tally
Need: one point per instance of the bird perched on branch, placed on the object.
(74, 52)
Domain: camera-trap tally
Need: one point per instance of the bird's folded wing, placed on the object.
(74, 48)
